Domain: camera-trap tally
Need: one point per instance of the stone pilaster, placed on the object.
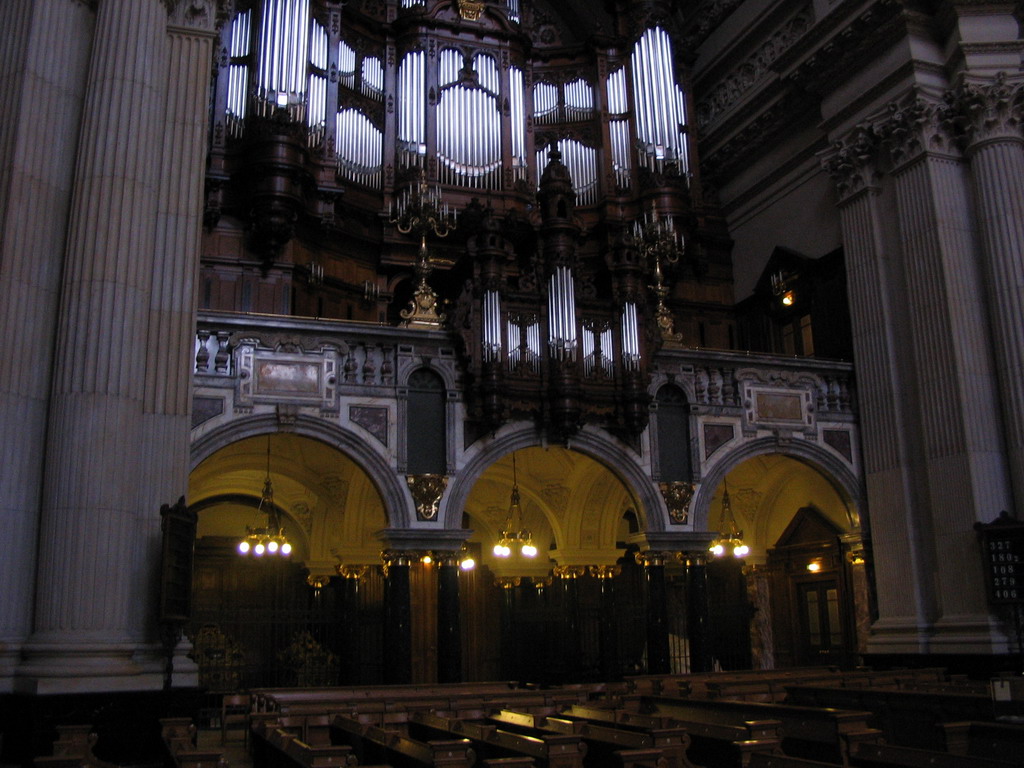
(906, 605)
(44, 55)
(90, 604)
(964, 469)
(988, 119)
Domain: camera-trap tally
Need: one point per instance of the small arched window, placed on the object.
(426, 424)
(673, 434)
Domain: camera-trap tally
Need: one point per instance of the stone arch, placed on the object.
(832, 469)
(591, 442)
(398, 503)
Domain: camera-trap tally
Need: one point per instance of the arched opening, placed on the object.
(274, 619)
(800, 596)
(576, 610)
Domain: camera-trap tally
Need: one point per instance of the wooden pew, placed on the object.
(716, 741)
(908, 718)
(72, 749)
(817, 733)
(889, 756)
(179, 736)
(765, 760)
(1001, 741)
(372, 744)
(276, 747)
(550, 750)
(666, 746)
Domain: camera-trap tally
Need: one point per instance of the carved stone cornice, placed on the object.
(976, 113)
(748, 73)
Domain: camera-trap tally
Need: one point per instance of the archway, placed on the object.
(574, 611)
(274, 620)
(805, 574)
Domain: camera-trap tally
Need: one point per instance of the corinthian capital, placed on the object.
(202, 15)
(977, 112)
(852, 161)
(911, 126)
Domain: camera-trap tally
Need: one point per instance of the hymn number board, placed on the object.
(1003, 553)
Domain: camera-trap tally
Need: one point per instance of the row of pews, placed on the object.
(859, 719)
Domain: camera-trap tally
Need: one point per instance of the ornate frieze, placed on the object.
(743, 78)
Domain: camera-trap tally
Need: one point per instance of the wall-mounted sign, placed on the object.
(1002, 545)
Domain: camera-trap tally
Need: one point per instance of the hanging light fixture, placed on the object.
(269, 539)
(730, 538)
(512, 534)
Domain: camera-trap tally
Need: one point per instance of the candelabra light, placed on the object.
(420, 211)
(660, 243)
(513, 534)
(730, 538)
(270, 538)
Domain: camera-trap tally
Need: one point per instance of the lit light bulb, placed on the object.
(272, 546)
(286, 549)
(259, 549)
(718, 550)
(529, 550)
(787, 298)
(426, 559)
(468, 564)
(814, 567)
(741, 551)
(243, 547)
(498, 550)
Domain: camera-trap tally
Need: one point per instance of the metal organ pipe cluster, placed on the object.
(283, 56)
(659, 101)
(561, 314)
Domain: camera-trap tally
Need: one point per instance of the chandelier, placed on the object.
(512, 534)
(730, 538)
(269, 539)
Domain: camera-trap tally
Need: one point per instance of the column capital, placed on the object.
(977, 112)
(568, 571)
(852, 162)
(507, 582)
(356, 572)
(604, 572)
(198, 15)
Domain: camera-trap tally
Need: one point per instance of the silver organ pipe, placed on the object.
(523, 343)
(373, 78)
(412, 115)
(581, 161)
(448, 67)
(618, 126)
(562, 314)
(518, 116)
(630, 337)
(283, 56)
(659, 101)
(469, 125)
(512, 7)
(579, 101)
(412, 3)
(360, 148)
(316, 116)
(492, 326)
(545, 103)
(238, 73)
(346, 65)
(597, 345)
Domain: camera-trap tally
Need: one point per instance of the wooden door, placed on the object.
(820, 638)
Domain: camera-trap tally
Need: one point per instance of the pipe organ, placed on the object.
(325, 114)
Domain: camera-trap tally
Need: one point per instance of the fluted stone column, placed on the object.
(44, 55)
(991, 117)
(90, 612)
(169, 346)
(900, 523)
(955, 387)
